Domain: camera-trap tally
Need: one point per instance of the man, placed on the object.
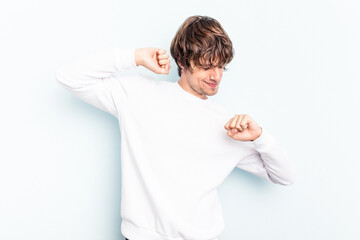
(177, 146)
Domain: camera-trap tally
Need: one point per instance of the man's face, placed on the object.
(202, 82)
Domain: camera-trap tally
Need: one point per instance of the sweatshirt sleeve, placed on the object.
(92, 78)
(266, 158)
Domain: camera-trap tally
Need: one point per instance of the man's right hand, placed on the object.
(154, 59)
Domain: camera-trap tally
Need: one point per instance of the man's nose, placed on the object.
(216, 73)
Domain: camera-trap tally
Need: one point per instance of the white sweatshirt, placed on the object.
(174, 148)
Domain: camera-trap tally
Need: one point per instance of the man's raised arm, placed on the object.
(92, 80)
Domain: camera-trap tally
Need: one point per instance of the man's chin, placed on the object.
(211, 93)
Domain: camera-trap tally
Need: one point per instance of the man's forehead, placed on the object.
(205, 62)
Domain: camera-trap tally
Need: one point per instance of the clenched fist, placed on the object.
(243, 128)
(154, 59)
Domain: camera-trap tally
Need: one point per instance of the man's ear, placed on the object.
(180, 65)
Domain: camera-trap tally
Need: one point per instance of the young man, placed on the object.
(177, 146)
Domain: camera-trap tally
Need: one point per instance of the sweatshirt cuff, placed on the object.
(125, 58)
(264, 139)
(133, 62)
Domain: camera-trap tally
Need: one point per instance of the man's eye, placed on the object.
(224, 68)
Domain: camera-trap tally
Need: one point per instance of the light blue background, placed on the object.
(295, 71)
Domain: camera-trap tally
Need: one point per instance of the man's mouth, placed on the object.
(211, 84)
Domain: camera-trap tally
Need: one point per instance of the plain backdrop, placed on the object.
(295, 72)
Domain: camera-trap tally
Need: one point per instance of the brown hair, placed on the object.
(203, 40)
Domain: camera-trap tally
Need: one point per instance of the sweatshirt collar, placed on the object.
(190, 95)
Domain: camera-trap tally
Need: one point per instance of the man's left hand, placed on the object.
(243, 128)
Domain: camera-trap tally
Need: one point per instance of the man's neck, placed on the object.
(185, 85)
